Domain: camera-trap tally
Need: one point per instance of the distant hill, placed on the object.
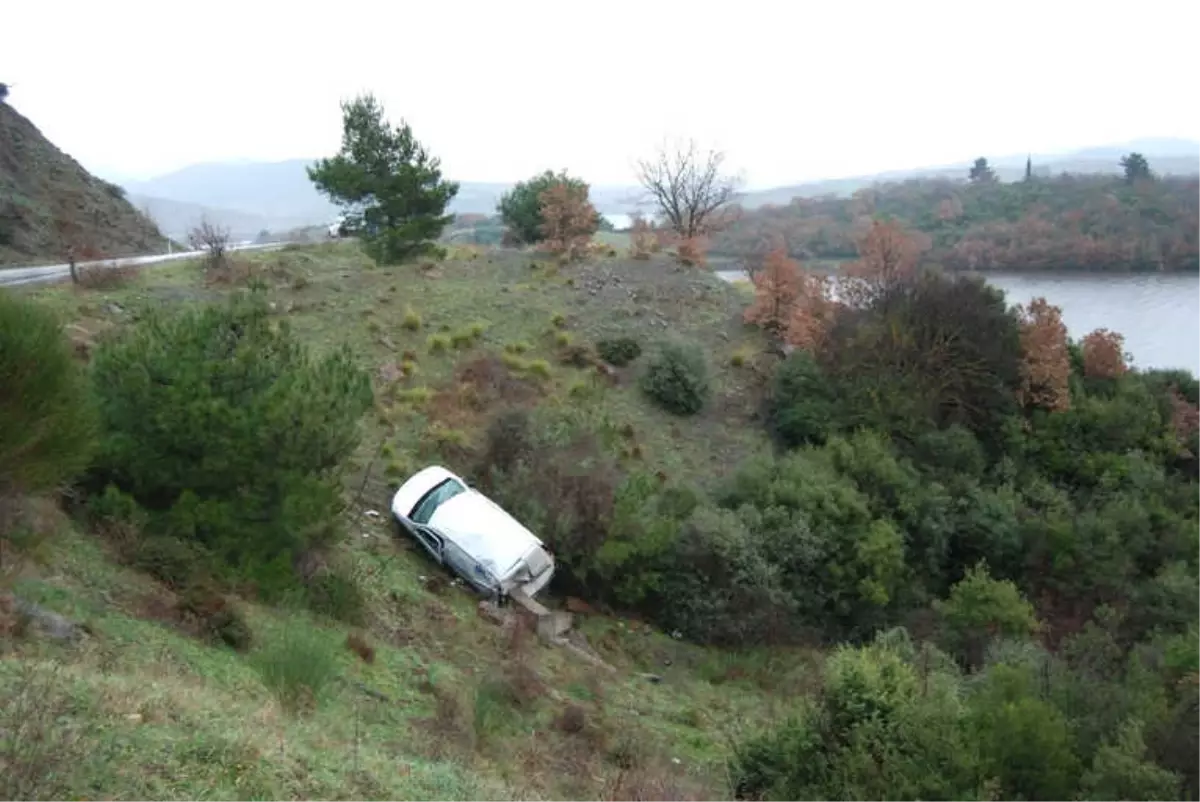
(1063, 222)
(278, 195)
(47, 199)
(1166, 157)
(177, 218)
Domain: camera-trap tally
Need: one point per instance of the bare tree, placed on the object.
(688, 187)
(211, 238)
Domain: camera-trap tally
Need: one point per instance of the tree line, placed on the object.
(1132, 222)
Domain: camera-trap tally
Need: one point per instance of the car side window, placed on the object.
(430, 541)
(440, 494)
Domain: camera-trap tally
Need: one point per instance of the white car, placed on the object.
(470, 534)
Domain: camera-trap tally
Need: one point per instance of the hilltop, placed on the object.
(49, 201)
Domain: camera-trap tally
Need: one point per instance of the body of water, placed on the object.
(1158, 314)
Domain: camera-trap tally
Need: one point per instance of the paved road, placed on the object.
(14, 276)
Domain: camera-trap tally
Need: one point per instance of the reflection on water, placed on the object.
(1158, 314)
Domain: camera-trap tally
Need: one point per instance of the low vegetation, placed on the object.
(1044, 223)
(908, 542)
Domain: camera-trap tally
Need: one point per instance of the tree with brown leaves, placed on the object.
(568, 219)
(812, 312)
(777, 286)
(692, 251)
(1046, 361)
(1185, 420)
(690, 188)
(642, 241)
(888, 256)
(1103, 354)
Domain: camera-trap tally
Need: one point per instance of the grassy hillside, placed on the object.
(1086, 222)
(48, 201)
(904, 562)
(433, 716)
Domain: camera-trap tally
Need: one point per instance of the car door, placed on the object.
(433, 542)
(468, 568)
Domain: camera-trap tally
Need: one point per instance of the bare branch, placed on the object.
(689, 188)
(211, 238)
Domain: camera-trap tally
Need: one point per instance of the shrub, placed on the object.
(981, 608)
(47, 423)
(170, 560)
(298, 666)
(438, 343)
(211, 616)
(577, 356)
(412, 321)
(336, 595)
(229, 433)
(722, 587)
(677, 378)
(107, 277)
(842, 566)
(805, 407)
(619, 351)
(539, 368)
(521, 208)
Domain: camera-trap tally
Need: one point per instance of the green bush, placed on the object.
(676, 378)
(298, 666)
(47, 421)
(214, 617)
(981, 608)
(229, 434)
(719, 584)
(619, 351)
(804, 403)
(521, 207)
(336, 595)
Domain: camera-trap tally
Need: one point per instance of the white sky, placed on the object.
(792, 89)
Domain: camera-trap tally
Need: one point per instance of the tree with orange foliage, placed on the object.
(692, 251)
(1103, 354)
(1046, 361)
(568, 219)
(888, 255)
(812, 312)
(642, 241)
(777, 286)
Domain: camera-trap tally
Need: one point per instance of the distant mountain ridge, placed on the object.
(1167, 156)
(279, 195)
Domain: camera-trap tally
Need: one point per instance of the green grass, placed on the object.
(214, 723)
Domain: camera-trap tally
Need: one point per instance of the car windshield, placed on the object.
(434, 499)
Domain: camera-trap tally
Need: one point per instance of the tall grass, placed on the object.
(298, 666)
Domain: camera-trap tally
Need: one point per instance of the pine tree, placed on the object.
(391, 189)
(1028, 168)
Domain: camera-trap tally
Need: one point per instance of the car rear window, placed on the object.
(441, 493)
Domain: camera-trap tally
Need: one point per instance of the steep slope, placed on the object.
(49, 201)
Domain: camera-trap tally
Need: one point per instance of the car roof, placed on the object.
(485, 531)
